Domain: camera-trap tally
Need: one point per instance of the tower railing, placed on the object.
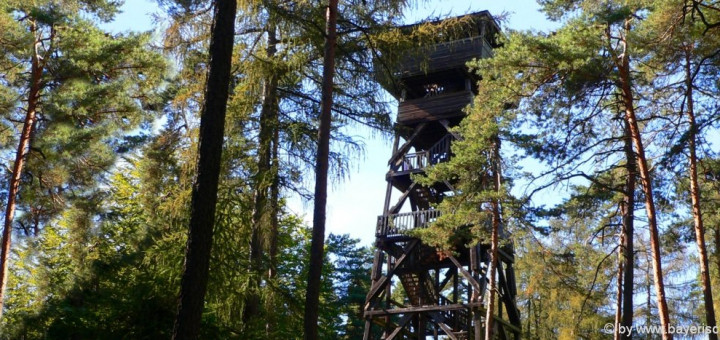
(438, 153)
(398, 224)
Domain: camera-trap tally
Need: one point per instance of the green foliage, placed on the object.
(103, 239)
(566, 279)
(95, 89)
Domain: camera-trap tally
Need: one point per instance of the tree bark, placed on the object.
(628, 235)
(36, 71)
(619, 296)
(645, 180)
(496, 220)
(312, 297)
(274, 207)
(648, 300)
(695, 198)
(274, 225)
(204, 192)
(716, 235)
(263, 182)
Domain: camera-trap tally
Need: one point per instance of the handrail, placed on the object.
(399, 224)
(438, 153)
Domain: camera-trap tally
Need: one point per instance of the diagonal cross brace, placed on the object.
(396, 208)
(401, 324)
(465, 273)
(406, 146)
(384, 280)
(512, 311)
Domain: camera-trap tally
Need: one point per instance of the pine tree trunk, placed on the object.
(263, 182)
(496, 220)
(274, 225)
(312, 297)
(20, 156)
(628, 246)
(695, 198)
(716, 235)
(648, 293)
(204, 192)
(646, 183)
(619, 296)
(274, 207)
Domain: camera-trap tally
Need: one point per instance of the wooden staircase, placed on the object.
(419, 288)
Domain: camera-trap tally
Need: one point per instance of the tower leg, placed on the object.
(478, 324)
(368, 329)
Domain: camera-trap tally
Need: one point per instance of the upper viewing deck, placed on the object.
(444, 56)
(432, 81)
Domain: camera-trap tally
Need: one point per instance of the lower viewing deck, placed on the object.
(397, 225)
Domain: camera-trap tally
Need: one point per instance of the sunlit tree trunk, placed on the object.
(695, 197)
(645, 179)
(20, 156)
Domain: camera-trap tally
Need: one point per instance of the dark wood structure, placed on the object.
(444, 296)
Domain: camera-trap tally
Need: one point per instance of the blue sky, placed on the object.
(354, 204)
(523, 14)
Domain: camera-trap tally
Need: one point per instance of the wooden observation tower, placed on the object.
(444, 297)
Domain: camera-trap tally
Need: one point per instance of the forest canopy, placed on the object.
(590, 150)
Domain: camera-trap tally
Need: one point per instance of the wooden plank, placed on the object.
(434, 108)
(377, 265)
(419, 309)
(452, 54)
(442, 102)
